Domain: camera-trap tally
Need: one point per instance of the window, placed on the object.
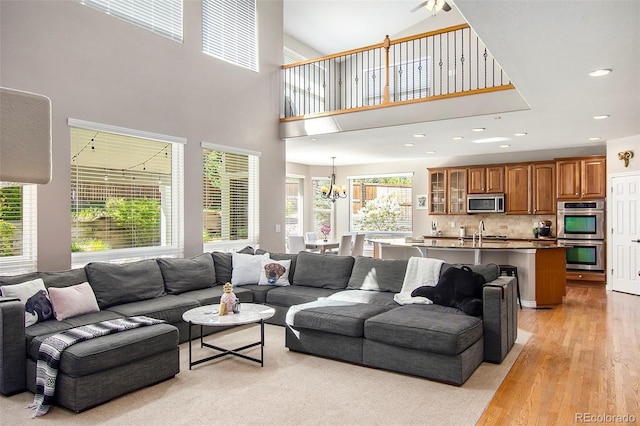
(294, 206)
(230, 31)
(126, 194)
(381, 203)
(322, 207)
(18, 237)
(163, 17)
(230, 198)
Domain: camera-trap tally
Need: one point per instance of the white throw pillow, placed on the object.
(35, 298)
(275, 272)
(246, 268)
(72, 301)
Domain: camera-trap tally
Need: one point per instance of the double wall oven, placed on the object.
(581, 228)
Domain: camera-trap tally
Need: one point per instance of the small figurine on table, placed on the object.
(227, 301)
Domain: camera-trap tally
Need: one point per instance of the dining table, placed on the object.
(322, 245)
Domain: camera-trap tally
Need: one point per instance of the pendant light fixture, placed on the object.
(333, 191)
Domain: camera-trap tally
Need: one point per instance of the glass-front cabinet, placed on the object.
(447, 191)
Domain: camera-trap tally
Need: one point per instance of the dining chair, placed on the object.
(311, 236)
(344, 248)
(358, 245)
(296, 244)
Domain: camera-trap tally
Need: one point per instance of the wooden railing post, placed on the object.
(386, 44)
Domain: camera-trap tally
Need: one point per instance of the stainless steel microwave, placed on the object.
(485, 203)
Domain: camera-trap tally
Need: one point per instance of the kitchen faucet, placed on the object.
(480, 231)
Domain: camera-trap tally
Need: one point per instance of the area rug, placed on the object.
(291, 389)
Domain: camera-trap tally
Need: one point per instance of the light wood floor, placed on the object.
(583, 357)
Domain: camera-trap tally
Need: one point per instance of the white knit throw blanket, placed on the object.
(420, 271)
(51, 351)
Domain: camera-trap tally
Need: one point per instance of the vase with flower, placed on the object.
(325, 230)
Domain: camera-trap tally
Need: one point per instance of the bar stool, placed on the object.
(512, 271)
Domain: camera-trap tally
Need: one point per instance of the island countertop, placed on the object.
(453, 243)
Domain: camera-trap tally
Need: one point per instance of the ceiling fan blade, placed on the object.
(420, 6)
(446, 7)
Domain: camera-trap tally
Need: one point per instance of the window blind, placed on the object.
(231, 215)
(294, 206)
(322, 207)
(126, 196)
(230, 31)
(163, 17)
(18, 230)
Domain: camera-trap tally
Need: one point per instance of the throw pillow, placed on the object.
(72, 301)
(247, 268)
(275, 272)
(37, 306)
(459, 288)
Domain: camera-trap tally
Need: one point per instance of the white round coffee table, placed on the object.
(207, 316)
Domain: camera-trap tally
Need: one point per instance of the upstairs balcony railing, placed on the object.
(429, 66)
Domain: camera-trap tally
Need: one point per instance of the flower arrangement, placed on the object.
(325, 229)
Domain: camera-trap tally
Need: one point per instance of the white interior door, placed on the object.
(625, 233)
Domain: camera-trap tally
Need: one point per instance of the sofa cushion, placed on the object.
(383, 298)
(223, 265)
(275, 272)
(51, 279)
(182, 275)
(286, 256)
(34, 297)
(72, 301)
(344, 318)
(169, 308)
(115, 284)
(211, 295)
(295, 295)
(246, 268)
(377, 274)
(422, 328)
(323, 270)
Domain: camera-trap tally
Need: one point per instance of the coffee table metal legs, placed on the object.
(223, 351)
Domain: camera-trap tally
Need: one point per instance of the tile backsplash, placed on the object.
(513, 226)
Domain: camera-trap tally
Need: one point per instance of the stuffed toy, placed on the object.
(459, 288)
(227, 300)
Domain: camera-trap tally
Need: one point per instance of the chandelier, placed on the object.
(333, 191)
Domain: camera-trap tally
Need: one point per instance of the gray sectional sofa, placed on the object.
(337, 313)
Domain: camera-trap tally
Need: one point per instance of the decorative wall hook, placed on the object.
(625, 156)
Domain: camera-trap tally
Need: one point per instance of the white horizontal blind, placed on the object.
(230, 31)
(18, 231)
(126, 196)
(231, 214)
(163, 17)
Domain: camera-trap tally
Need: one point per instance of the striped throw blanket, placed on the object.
(51, 351)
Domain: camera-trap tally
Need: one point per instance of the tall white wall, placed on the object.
(102, 69)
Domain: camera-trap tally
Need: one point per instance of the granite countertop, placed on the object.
(453, 243)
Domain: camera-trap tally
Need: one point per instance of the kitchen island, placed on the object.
(541, 265)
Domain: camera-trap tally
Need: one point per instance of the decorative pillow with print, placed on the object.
(247, 268)
(275, 272)
(37, 306)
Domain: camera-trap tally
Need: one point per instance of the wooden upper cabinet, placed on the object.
(483, 180)
(581, 178)
(543, 185)
(447, 191)
(437, 191)
(517, 189)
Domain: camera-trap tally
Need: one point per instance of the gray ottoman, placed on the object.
(97, 370)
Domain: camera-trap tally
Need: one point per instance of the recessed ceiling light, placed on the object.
(430, 152)
(599, 73)
(314, 139)
(409, 144)
(458, 138)
(600, 117)
(520, 134)
(505, 146)
(595, 138)
(419, 135)
(489, 140)
(479, 129)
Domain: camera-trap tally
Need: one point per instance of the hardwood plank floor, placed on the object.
(582, 360)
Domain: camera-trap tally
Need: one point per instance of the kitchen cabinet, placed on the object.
(517, 189)
(581, 178)
(486, 180)
(543, 188)
(447, 191)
